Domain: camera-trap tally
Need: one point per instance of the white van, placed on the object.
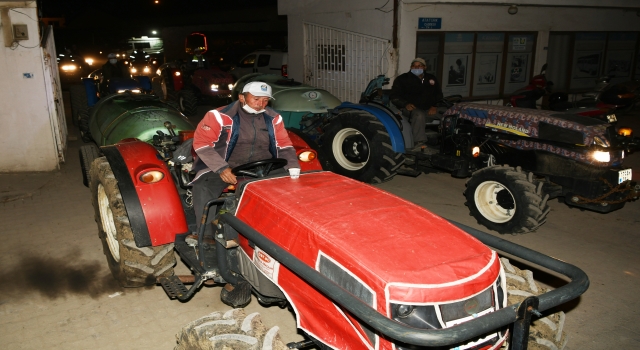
(263, 61)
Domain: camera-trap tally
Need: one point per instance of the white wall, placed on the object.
(358, 16)
(542, 16)
(26, 136)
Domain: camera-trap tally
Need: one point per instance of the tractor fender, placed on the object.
(391, 124)
(91, 91)
(154, 210)
(302, 144)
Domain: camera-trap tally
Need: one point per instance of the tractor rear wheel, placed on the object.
(87, 155)
(506, 200)
(231, 330)
(187, 102)
(130, 265)
(358, 146)
(545, 333)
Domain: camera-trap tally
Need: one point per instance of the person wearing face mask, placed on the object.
(244, 131)
(112, 69)
(416, 93)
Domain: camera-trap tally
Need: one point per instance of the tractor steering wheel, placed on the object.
(260, 168)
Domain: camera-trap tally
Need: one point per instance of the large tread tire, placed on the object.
(88, 153)
(187, 102)
(358, 146)
(506, 200)
(545, 333)
(130, 265)
(79, 103)
(231, 330)
(83, 126)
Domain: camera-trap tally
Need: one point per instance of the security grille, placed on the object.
(342, 62)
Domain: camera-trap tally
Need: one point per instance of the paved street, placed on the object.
(56, 291)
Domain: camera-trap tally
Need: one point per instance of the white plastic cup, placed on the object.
(294, 173)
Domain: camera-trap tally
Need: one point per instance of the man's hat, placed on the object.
(258, 88)
(112, 55)
(418, 59)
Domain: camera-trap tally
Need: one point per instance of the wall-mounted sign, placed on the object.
(429, 23)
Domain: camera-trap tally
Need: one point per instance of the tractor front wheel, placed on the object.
(358, 146)
(506, 200)
(79, 104)
(187, 102)
(88, 153)
(546, 332)
(130, 265)
(231, 330)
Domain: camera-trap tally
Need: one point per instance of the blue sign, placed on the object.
(429, 23)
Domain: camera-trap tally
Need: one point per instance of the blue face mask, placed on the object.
(417, 71)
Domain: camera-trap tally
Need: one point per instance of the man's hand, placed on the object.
(433, 110)
(227, 176)
(410, 107)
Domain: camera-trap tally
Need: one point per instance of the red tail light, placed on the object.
(284, 71)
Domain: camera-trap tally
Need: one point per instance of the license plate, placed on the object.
(624, 175)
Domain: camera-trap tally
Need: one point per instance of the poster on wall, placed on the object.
(457, 70)
(619, 64)
(488, 64)
(518, 68)
(458, 48)
(487, 68)
(588, 59)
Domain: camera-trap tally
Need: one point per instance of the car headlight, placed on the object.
(601, 156)
(69, 67)
(214, 87)
(146, 70)
(89, 61)
(134, 70)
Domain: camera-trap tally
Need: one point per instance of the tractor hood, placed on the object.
(393, 246)
(115, 118)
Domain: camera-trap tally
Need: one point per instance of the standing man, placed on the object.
(416, 93)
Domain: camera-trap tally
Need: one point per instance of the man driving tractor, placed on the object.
(242, 132)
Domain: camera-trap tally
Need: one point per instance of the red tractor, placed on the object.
(360, 268)
(196, 81)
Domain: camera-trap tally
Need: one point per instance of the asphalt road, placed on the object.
(56, 291)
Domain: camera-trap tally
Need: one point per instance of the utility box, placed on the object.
(20, 32)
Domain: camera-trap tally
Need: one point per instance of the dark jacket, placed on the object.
(218, 132)
(422, 93)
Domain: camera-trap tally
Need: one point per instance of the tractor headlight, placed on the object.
(214, 87)
(611, 118)
(150, 177)
(158, 71)
(89, 61)
(625, 132)
(146, 70)
(177, 74)
(134, 70)
(69, 67)
(601, 156)
(230, 86)
(475, 151)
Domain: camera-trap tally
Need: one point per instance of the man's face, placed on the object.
(256, 102)
(417, 65)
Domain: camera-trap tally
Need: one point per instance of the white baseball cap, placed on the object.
(258, 88)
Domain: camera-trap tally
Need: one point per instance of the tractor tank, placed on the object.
(127, 116)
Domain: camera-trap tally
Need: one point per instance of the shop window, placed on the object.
(478, 64)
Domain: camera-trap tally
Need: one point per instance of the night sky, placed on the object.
(102, 25)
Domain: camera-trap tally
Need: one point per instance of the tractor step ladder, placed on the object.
(173, 287)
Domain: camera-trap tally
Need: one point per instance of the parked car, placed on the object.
(263, 61)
